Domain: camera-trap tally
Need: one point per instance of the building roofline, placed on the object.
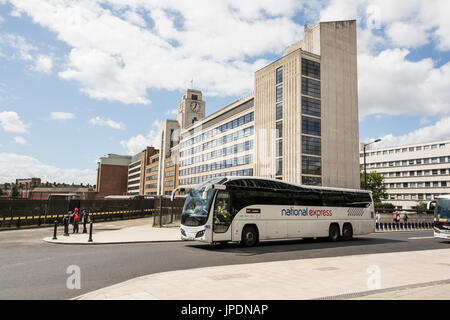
(409, 145)
(228, 107)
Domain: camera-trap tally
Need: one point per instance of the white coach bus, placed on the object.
(250, 209)
(441, 225)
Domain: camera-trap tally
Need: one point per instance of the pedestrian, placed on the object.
(378, 217)
(397, 219)
(84, 219)
(76, 219)
(405, 218)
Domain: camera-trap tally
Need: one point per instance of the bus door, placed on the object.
(223, 216)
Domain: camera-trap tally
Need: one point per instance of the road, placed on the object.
(32, 269)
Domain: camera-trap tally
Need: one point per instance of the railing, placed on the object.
(403, 226)
(47, 220)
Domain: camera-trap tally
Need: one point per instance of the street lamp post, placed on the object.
(365, 172)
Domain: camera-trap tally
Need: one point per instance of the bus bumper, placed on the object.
(192, 233)
(442, 234)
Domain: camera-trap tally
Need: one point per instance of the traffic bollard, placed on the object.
(66, 227)
(54, 230)
(90, 232)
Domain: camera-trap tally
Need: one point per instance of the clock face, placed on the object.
(195, 106)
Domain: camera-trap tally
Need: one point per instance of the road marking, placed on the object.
(419, 238)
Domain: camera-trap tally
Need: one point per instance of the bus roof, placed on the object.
(234, 178)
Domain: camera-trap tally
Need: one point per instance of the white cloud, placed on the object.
(14, 165)
(173, 112)
(97, 121)
(43, 64)
(20, 140)
(58, 115)
(21, 49)
(113, 57)
(140, 142)
(438, 131)
(390, 84)
(408, 23)
(407, 35)
(10, 122)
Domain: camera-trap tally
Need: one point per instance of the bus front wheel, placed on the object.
(249, 236)
(334, 233)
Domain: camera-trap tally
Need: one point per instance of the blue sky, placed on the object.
(81, 79)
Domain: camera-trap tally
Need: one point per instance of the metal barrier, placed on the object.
(48, 220)
(416, 225)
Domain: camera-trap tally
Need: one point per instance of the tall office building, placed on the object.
(412, 173)
(306, 110)
(300, 124)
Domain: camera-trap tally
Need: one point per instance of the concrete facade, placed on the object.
(300, 125)
(285, 85)
(412, 173)
(220, 144)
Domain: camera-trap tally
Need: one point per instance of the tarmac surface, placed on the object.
(33, 269)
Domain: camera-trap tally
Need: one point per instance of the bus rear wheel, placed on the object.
(334, 234)
(249, 236)
(347, 232)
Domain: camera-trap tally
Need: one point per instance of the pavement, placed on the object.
(400, 275)
(117, 233)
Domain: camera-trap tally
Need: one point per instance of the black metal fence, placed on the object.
(15, 213)
(168, 212)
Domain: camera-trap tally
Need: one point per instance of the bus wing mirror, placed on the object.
(174, 191)
(212, 186)
(429, 205)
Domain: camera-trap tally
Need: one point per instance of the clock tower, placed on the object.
(191, 108)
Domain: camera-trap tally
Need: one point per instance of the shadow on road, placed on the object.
(294, 245)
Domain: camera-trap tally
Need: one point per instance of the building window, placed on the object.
(312, 181)
(279, 129)
(310, 68)
(311, 165)
(311, 87)
(279, 167)
(279, 75)
(311, 126)
(311, 145)
(279, 148)
(311, 106)
(194, 97)
(279, 93)
(279, 110)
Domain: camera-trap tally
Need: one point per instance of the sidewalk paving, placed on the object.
(113, 233)
(348, 277)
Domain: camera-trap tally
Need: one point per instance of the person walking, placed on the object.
(405, 219)
(84, 219)
(378, 217)
(397, 219)
(76, 219)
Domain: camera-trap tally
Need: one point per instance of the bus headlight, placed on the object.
(200, 234)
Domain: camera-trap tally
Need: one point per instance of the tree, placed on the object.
(14, 191)
(1, 191)
(375, 183)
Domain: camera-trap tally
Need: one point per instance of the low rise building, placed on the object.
(412, 173)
